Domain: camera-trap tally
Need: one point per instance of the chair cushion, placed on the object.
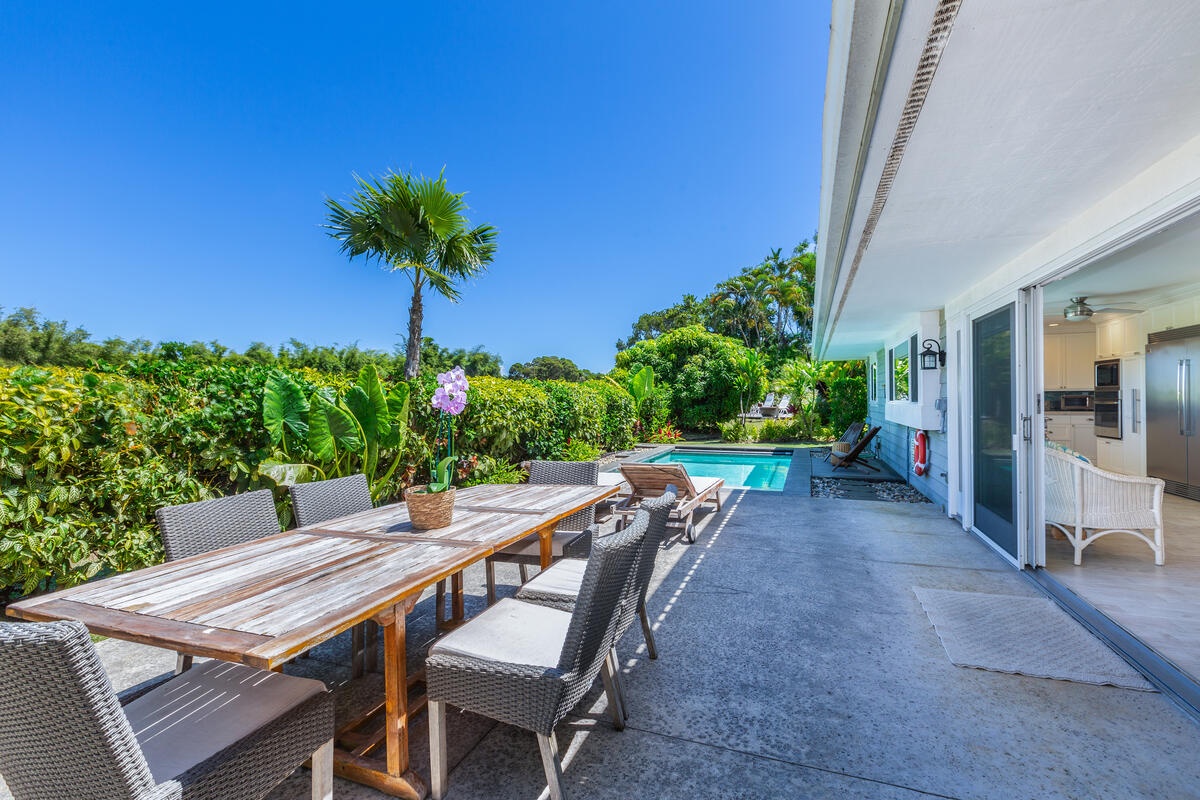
(531, 545)
(210, 707)
(562, 578)
(512, 632)
(703, 484)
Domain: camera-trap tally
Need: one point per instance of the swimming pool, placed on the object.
(741, 469)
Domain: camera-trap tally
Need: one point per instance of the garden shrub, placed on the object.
(700, 369)
(82, 468)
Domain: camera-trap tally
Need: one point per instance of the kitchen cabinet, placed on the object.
(1069, 360)
(1117, 338)
(1076, 431)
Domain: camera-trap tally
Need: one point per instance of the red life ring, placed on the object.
(920, 453)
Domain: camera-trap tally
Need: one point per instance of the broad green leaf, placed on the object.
(397, 405)
(331, 429)
(359, 405)
(443, 476)
(287, 474)
(368, 381)
(284, 407)
(642, 384)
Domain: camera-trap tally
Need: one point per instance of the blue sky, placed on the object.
(164, 172)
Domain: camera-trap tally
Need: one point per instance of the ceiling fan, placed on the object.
(1079, 311)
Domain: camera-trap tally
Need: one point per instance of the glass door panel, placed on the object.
(994, 396)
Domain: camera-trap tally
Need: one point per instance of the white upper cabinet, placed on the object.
(1069, 361)
(1117, 338)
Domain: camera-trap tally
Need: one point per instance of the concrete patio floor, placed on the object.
(795, 661)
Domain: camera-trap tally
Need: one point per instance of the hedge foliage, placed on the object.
(87, 456)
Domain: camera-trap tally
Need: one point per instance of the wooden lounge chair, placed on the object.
(853, 457)
(652, 480)
(850, 437)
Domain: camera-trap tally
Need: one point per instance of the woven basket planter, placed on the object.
(838, 451)
(429, 511)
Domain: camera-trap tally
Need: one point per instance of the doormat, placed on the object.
(1023, 636)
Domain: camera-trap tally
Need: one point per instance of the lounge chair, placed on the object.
(785, 407)
(850, 437)
(769, 408)
(651, 480)
(855, 455)
(1086, 503)
(220, 731)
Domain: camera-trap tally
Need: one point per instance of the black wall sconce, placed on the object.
(930, 358)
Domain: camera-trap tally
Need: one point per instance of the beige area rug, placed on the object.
(1024, 636)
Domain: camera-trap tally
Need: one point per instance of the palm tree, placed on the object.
(417, 226)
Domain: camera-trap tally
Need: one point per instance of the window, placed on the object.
(874, 380)
(900, 359)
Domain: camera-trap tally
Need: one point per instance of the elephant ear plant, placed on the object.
(450, 399)
(327, 436)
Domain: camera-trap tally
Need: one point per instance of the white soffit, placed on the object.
(1036, 112)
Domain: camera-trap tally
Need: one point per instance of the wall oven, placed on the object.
(1106, 404)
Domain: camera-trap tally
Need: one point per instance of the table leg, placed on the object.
(395, 777)
(546, 537)
(456, 600)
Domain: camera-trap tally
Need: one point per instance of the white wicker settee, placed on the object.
(1086, 502)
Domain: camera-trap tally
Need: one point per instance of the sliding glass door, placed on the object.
(994, 396)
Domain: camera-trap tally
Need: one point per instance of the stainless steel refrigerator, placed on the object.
(1172, 395)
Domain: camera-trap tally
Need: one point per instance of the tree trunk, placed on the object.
(412, 353)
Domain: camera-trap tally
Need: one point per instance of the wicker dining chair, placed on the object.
(220, 731)
(572, 537)
(558, 586)
(321, 501)
(529, 665)
(195, 528)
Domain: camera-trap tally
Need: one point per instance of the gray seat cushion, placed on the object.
(562, 578)
(511, 632)
(212, 706)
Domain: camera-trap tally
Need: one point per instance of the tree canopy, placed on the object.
(767, 307)
(550, 368)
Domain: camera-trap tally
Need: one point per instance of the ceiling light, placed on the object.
(1078, 310)
(1053, 324)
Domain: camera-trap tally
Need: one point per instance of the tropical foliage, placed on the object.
(767, 307)
(549, 368)
(699, 367)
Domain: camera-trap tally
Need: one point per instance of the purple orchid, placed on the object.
(451, 394)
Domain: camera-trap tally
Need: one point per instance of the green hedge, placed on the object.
(87, 456)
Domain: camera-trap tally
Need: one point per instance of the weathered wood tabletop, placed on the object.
(264, 602)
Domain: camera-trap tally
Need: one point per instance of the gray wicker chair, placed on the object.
(572, 538)
(558, 586)
(64, 734)
(321, 501)
(317, 502)
(195, 528)
(528, 665)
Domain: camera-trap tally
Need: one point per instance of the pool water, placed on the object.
(740, 470)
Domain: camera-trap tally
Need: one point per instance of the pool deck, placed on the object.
(795, 661)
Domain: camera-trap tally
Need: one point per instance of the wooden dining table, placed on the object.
(265, 602)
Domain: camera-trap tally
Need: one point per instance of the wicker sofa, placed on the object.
(1087, 503)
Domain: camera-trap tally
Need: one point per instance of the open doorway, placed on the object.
(1120, 338)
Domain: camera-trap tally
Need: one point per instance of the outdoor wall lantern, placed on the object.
(930, 358)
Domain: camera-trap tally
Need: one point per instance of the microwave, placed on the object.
(1108, 374)
(1075, 402)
